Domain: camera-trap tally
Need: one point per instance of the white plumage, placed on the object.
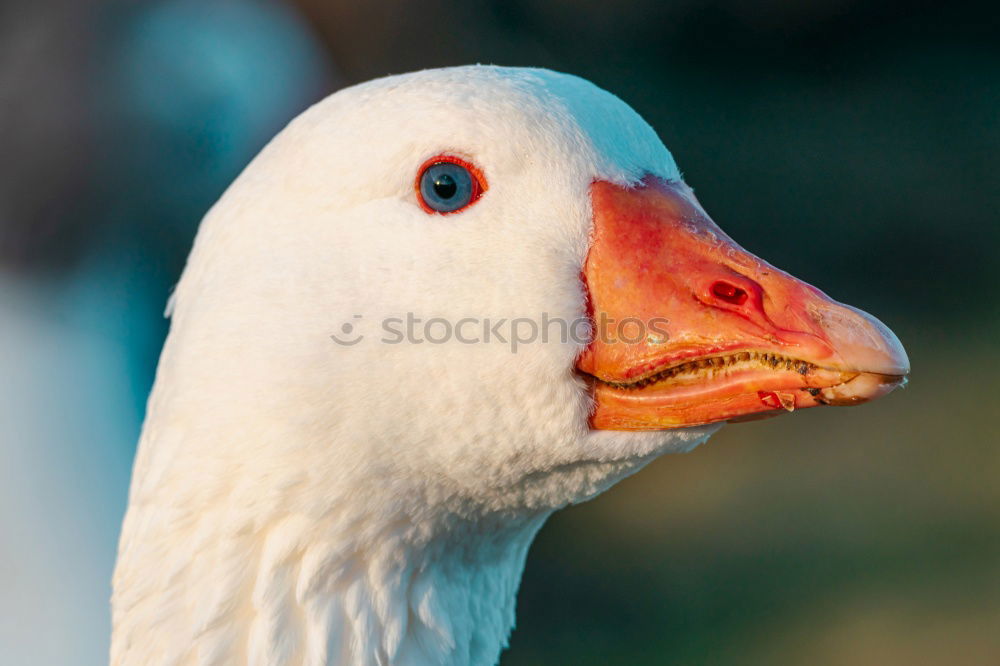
(296, 501)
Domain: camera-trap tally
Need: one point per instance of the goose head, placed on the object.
(434, 309)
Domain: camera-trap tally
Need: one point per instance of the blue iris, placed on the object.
(446, 187)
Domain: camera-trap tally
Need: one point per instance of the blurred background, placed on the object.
(854, 144)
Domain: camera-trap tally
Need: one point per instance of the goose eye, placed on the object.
(447, 185)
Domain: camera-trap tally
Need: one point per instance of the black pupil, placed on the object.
(445, 186)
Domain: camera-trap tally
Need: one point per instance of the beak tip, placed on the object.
(863, 388)
(863, 342)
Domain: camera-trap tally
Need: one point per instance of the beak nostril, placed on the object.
(729, 293)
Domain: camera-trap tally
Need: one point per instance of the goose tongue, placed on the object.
(690, 328)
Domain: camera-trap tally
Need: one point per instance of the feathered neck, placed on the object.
(341, 588)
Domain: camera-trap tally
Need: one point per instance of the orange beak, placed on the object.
(690, 328)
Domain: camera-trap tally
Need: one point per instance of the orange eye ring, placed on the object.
(437, 176)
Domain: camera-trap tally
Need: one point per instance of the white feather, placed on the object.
(295, 501)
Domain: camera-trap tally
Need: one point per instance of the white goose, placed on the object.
(299, 500)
